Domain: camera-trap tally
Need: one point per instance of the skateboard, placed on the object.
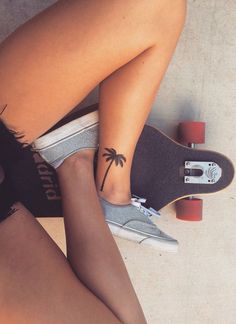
(163, 171)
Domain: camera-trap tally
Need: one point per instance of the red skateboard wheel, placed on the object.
(191, 132)
(189, 209)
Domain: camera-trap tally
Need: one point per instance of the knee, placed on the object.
(169, 20)
(174, 11)
(157, 12)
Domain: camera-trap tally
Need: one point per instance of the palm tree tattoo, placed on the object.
(112, 156)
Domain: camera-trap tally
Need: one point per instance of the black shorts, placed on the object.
(11, 151)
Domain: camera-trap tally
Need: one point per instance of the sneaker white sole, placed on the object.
(66, 131)
(141, 238)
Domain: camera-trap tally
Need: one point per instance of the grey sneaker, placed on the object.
(81, 133)
(133, 222)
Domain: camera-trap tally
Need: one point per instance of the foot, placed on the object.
(79, 134)
(132, 222)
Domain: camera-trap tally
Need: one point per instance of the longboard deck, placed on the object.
(158, 169)
(157, 173)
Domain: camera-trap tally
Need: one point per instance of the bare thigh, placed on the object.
(53, 61)
(37, 284)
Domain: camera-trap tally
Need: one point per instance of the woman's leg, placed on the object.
(126, 97)
(37, 284)
(91, 249)
(39, 78)
(52, 62)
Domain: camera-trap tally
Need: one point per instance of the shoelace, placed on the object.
(137, 202)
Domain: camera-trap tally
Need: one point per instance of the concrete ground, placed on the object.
(197, 285)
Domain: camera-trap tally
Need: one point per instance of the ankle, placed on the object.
(79, 160)
(115, 196)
